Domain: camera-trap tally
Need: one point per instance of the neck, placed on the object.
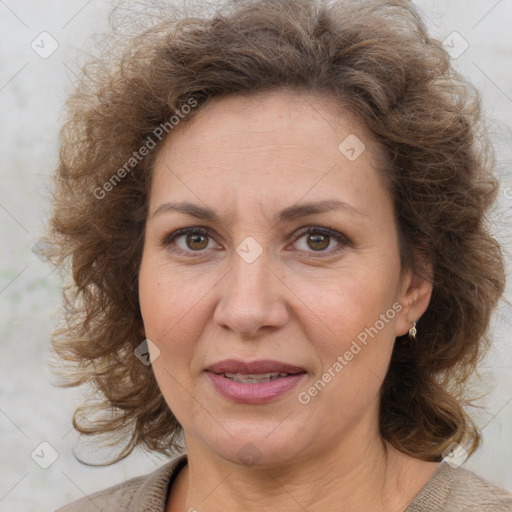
(356, 475)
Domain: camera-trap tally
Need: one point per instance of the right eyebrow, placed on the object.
(200, 212)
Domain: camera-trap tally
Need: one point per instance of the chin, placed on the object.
(257, 445)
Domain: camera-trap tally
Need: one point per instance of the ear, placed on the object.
(414, 296)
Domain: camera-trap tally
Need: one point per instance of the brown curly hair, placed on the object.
(376, 59)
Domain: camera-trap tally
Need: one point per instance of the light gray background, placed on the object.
(32, 91)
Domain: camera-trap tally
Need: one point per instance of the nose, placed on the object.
(252, 298)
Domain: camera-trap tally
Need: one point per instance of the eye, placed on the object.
(188, 240)
(318, 239)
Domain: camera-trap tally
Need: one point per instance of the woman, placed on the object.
(275, 218)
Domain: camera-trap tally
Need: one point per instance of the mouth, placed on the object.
(254, 382)
(255, 378)
(259, 369)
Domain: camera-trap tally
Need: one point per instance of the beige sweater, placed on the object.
(448, 490)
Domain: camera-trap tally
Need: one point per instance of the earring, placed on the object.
(412, 331)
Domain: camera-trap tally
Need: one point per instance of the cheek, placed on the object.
(170, 316)
(352, 319)
(171, 301)
(347, 304)
(175, 310)
(353, 345)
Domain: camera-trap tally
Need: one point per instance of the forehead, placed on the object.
(270, 146)
(282, 116)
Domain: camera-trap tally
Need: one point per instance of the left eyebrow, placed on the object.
(303, 210)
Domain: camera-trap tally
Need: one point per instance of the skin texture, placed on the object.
(248, 158)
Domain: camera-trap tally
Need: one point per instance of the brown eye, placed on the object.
(318, 242)
(196, 242)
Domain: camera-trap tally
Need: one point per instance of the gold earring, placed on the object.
(412, 331)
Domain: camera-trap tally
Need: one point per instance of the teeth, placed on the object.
(254, 378)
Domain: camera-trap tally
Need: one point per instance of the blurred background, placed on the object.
(41, 48)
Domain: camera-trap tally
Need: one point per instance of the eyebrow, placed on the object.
(288, 214)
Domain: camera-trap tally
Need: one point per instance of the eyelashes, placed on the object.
(203, 237)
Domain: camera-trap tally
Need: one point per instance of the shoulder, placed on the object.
(476, 494)
(143, 493)
(456, 489)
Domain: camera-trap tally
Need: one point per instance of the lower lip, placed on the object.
(258, 393)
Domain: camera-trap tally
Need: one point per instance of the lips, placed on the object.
(253, 368)
(255, 382)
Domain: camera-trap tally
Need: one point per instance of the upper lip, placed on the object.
(253, 367)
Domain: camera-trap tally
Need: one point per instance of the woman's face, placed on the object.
(249, 176)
